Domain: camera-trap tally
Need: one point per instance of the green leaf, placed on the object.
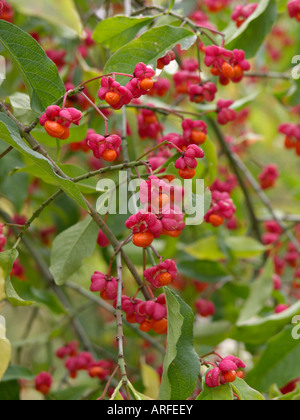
(260, 290)
(245, 392)
(259, 330)
(7, 259)
(245, 247)
(172, 2)
(181, 364)
(250, 36)
(203, 271)
(150, 46)
(20, 103)
(10, 134)
(10, 391)
(138, 396)
(279, 363)
(118, 31)
(17, 372)
(205, 249)
(62, 13)
(87, 186)
(221, 393)
(71, 247)
(73, 393)
(212, 333)
(5, 348)
(211, 157)
(40, 74)
(12, 185)
(281, 5)
(241, 247)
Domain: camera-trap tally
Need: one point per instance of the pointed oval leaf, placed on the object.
(181, 365)
(40, 74)
(71, 247)
(150, 46)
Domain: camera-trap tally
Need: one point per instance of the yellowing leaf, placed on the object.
(5, 348)
(61, 13)
(151, 381)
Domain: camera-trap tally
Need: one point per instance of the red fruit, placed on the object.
(215, 72)
(146, 84)
(230, 376)
(65, 135)
(174, 233)
(240, 22)
(143, 240)
(146, 326)
(216, 220)
(240, 374)
(160, 327)
(198, 137)
(298, 17)
(187, 173)
(228, 70)
(150, 119)
(104, 296)
(96, 371)
(131, 318)
(109, 155)
(289, 143)
(161, 201)
(55, 129)
(165, 279)
(238, 72)
(112, 98)
(160, 64)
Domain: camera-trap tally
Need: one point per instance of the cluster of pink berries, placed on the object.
(6, 11)
(160, 217)
(222, 208)
(166, 60)
(57, 121)
(43, 383)
(268, 177)
(242, 12)
(76, 361)
(105, 147)
(162, 274)
(3, 239)
(106, 285)
(293, 7)
(227, 65)
(225, 372)
(215, 6)
(148, 124)
(205, 308)
(187, 76)
(224, 111)
(286, 256)
(117, 96)
(150, 315)
(292, 139)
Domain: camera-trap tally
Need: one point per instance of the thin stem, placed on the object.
(6, 152)
(229, 154)
(119, 317)
(97, 110)
(104, 305)
(108, 384)
(265, 200)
